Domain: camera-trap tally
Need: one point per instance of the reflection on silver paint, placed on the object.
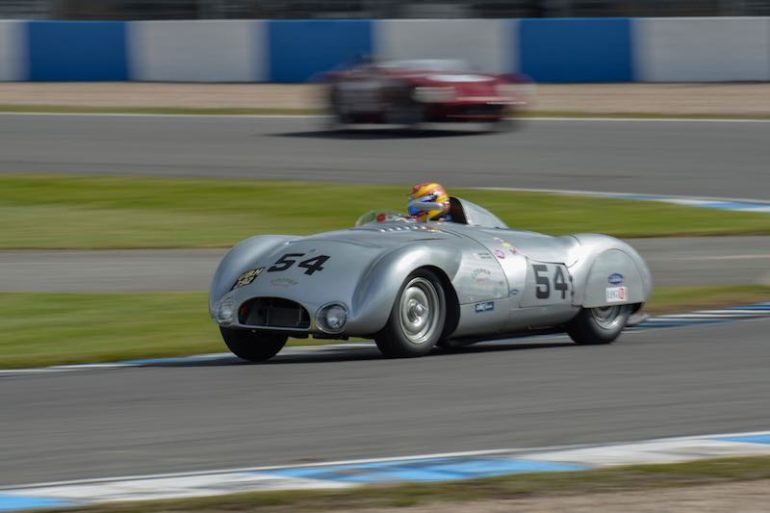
(367, 265)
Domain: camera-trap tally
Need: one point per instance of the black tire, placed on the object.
(417, 318)
(600, 325)
(502, 125)
(338, 117)
(254, 347)
(403, 109)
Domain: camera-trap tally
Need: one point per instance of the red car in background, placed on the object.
(409, 92)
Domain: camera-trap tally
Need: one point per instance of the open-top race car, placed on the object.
(408, 92)
(412, 286)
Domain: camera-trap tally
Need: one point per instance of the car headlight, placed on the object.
(331, 318)
(224, 313)
(434, 94)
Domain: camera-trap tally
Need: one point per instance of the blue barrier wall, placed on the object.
(548, 50)
(576, 50)
(79, 50)
(299, 50)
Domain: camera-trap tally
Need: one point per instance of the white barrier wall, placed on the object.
(701, 49)
(13, 55)
(198, 51)
(546, 49)
(488, 45)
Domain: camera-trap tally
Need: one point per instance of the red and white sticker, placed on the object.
(616, 294)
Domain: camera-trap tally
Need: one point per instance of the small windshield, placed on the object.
(440, 65)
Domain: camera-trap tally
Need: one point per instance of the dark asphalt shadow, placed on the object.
(368, 134)
(338, 354)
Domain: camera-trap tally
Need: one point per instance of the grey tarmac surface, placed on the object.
(673, 261)
(83, 424)
(666, 382)
(696, 158)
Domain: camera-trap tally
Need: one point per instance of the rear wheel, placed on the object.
(502, 125)
(254, 347)
(417, 318)
(403, 109)
(600, 325)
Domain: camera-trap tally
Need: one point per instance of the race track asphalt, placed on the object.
(665, 382)
(696, 158)
(673, 261)
(668, 382)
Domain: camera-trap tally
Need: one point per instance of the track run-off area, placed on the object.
(348, 405)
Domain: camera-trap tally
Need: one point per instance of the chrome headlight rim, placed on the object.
(322, 321)
(225, 311)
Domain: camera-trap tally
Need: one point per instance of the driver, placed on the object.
(429, 202)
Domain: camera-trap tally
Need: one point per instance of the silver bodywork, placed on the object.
(497, 280)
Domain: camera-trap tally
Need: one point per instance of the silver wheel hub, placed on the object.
(608, 317)
(419, 304)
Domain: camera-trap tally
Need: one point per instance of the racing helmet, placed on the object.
(428, 201)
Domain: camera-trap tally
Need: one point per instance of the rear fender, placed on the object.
(605, 263)
(614, 279)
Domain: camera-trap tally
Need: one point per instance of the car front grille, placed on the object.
(271, 312)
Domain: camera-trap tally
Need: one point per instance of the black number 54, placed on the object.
(543, 289)
(310, 265)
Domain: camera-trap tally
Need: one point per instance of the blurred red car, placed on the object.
(408, 92)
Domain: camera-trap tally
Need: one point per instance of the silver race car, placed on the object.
(412, 286)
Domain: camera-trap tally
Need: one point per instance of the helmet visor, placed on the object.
(417, 207)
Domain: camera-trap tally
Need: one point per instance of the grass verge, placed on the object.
(649, 478)
(268, 111)
(41, 329)
(41, 211)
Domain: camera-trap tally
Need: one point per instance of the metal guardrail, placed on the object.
(266, 9)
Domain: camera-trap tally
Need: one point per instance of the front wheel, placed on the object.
(600, 325)
(502, 125)
(254, 347)
(416, 319)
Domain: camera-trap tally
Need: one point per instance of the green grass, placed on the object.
(41, 211)
(640, 478)
(681, 299)
(262, 111)
(51, 328)
(40, 329)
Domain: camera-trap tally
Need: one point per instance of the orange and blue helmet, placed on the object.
(428, 202)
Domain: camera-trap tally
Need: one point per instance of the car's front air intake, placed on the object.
(272, 312)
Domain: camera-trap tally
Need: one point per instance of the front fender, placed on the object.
(242, 257)
(374, 298)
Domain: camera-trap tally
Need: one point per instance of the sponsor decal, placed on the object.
(508, 246)
(615, 279)
(380, 217)
(514, 292)
(282, 282)
(484, 256)
(247, 277)
(499, 253)
(486, 306)
(483, 277)
(616, 294)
